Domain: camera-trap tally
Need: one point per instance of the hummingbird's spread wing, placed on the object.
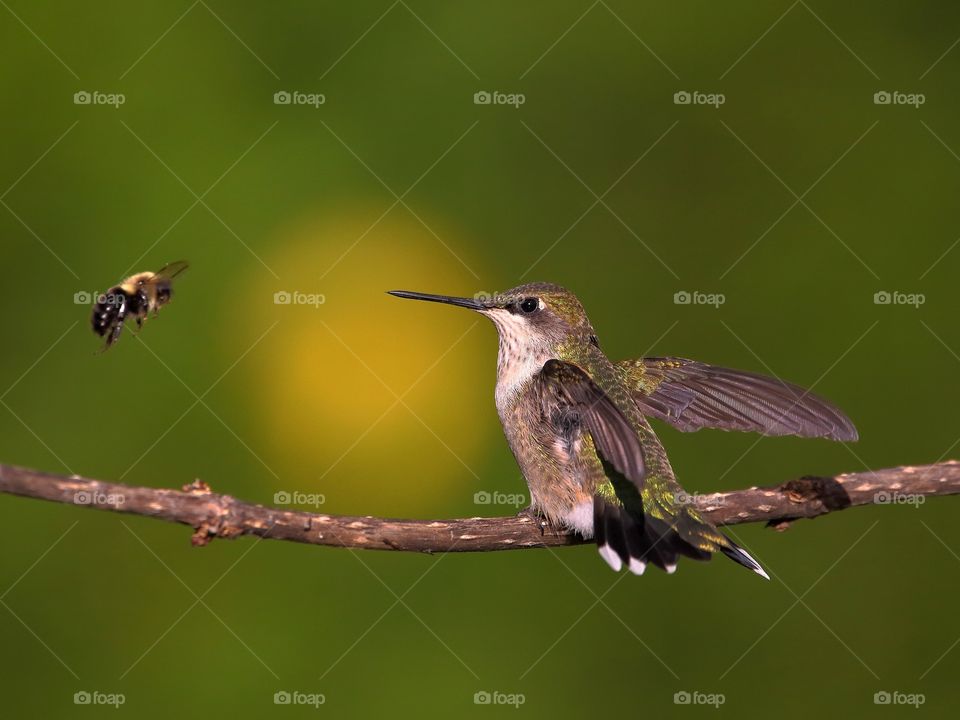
(568, 396)
(691, 395)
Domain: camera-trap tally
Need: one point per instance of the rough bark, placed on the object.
(213, 515)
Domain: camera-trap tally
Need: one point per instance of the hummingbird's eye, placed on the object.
(529, 305)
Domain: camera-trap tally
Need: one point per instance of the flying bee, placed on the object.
(136, 297)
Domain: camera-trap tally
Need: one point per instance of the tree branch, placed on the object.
(212, 515)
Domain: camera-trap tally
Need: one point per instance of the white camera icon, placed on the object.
(682, 97)
(82, 97)
(482, 98)
(282, 97)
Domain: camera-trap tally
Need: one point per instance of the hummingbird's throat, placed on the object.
(521, 355)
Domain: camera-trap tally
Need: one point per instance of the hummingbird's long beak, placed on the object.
(470, 303)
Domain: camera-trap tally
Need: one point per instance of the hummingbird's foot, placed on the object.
(535, 516)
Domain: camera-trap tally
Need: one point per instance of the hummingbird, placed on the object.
(578, 426)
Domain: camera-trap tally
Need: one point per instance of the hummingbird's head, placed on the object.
(535, 316)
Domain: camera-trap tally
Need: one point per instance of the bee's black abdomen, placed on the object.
(107, 310)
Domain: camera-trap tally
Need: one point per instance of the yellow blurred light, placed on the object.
(342, 352)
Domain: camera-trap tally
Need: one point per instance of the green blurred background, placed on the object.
(399, 180)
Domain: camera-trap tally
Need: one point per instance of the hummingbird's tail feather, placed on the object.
(627, 539)
(738, 554)
(703, 538)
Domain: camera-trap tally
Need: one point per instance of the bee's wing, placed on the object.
(171, 270)
(565, 387)
(691, 395)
